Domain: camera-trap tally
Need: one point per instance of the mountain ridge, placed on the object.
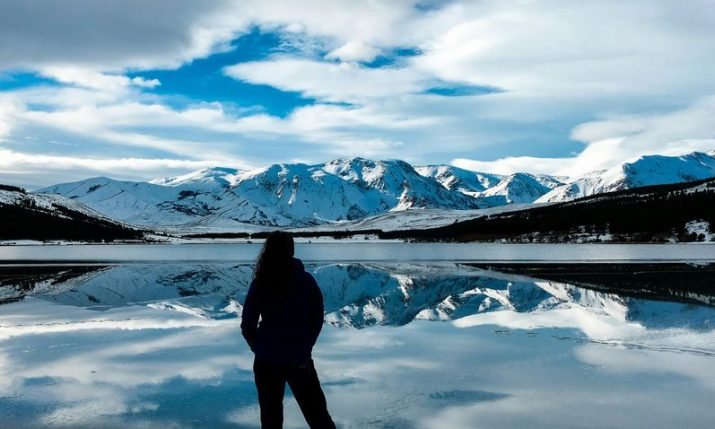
(347, 189)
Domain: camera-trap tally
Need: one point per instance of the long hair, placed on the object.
(275, 263)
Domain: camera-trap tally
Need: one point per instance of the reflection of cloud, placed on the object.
(91, 412)
(183, 353)
(97, 377)
(697, 367)
(594, 325)
(89, 322)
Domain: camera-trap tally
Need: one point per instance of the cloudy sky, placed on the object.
(139, 89)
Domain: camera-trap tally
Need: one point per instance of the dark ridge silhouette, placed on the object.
(12, 188)
(26, 221)
(647, 214)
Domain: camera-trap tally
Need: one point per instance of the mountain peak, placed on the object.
(455, 178)
(223, 176)
(645, 170)
(516, 188)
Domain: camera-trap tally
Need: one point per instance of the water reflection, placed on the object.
(159, 345)
(365, 294)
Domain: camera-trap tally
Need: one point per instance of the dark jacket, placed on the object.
(291, 318)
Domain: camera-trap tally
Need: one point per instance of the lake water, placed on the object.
(407, 343)
(352, 251)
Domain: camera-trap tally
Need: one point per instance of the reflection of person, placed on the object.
(290, 306)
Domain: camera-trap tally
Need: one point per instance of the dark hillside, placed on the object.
(24, 219)
(648, 214)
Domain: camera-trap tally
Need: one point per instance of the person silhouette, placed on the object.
(290, 306)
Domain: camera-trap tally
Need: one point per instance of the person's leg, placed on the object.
(304, 383)
(270, 383)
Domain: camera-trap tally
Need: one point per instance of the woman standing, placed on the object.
(290, 306)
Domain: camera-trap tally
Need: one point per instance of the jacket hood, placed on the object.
(298, 264)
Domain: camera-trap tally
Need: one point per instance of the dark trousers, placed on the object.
(303, 380)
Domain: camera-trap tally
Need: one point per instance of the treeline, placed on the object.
(648, 214)
(28, 222)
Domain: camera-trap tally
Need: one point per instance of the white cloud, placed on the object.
(354, 51)
(611, 141)
(7, 109)
(514, 164)
(345, 22)
(145, 83)
(594, 49)
(93, 79)
(342, 82)
(125, 118)
(22, 168)
(11, 159)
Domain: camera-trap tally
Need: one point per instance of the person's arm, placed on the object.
(249, 316)
(317, 310)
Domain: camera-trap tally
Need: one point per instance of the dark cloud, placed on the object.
(111, 34)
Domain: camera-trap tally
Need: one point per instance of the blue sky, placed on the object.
(139, 90)
(203, 79)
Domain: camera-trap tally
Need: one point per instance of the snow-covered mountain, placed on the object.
(345, 191)
(644, 171)
(277, 195)
(519, 188)
(492, 189)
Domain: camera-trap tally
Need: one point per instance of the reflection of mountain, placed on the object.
(663, 281)
(361, 295)
(18, 281)
(211, 291)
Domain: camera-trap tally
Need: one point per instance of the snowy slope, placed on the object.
(210, 178)
(277, 195)
(519, 188)
(54, 204)
(412, 219)
(176, 202)
(645, 171)
(455, 178)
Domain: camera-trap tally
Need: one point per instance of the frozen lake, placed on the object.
(352, 251)
(406, 344)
